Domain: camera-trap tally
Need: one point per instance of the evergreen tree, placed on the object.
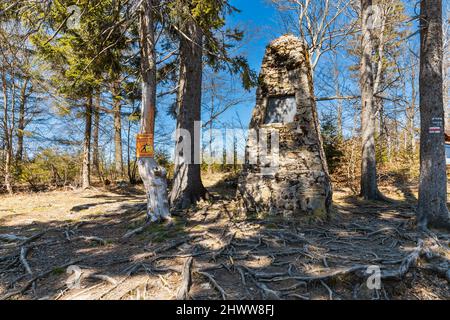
(198, 25)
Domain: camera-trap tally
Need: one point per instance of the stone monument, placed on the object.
(285, 171)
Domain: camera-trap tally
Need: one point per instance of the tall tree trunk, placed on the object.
(211, 123)
(235, 154)
(446, 77)
(7, 138)
(86, 170)
(21, 123)
(130, 176)
(369, 188)
(410, 113)
(153, 176)
(187, 186)
(8, 179)
(95, 137)
(432, 208)
(340, 130)
(382, 140)
(8, 155)
(117, 106)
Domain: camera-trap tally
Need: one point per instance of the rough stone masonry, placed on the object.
(290, 180)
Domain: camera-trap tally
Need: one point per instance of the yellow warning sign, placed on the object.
(144, 145)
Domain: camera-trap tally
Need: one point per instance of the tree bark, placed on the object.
(118, 158)
(432, 207)
(21, 123)
(369, 188)
(95, 137)
(446, 76)
(410, 114)
(153, 176)
(8, 179)
(187, 186)
(7, 138)
(340, 130)
(131, 173)
(86, 168)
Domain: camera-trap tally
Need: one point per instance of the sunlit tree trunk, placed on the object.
(7, 136)
(153, 176)
(118, 158)
(446, 75)
(410, 114)
(95, 137)
(86, 167)
(131, 177)
(369, 188)
(432, 208)
(187, 186)
(340, 130)
(21, 120)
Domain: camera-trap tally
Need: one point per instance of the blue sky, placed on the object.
(259, 17)
(260, 22)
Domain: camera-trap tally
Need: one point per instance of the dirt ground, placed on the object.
(71, 245)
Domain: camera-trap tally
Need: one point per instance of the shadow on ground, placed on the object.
(234, 257)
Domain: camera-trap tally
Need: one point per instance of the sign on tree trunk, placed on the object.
(144, 145)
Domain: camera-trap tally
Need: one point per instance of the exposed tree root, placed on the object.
(268, 259)
(23, 260)
(136, 231)
(90, 239)
(103, 278)
(37, 277)
(183, 291)
(225, 247)
(12, 238)
(214, 284)
(408, 262)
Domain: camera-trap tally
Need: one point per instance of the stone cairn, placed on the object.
(285, 171)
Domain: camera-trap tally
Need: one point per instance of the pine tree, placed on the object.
(79, 56)
(197, 23)
(432, 208)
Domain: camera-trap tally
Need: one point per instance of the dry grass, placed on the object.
(246, 258)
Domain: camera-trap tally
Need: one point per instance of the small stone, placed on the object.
(205, 286)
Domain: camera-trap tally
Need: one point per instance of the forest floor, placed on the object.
(71, 245)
